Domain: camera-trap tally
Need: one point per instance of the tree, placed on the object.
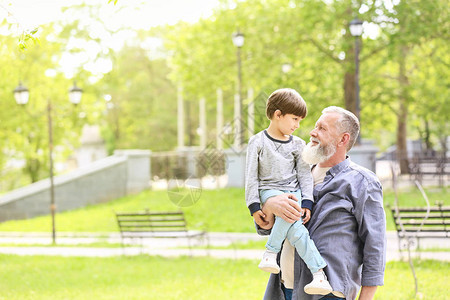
(312, 36)
(143, 100)
(412, 25)
(25, 128)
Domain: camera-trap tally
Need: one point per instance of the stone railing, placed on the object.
(126, 172)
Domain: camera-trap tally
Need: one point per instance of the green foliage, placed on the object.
(313, 37)
(310, 35)
(142, 106)
(28, 36)
(25, 128)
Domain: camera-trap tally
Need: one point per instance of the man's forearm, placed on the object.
(367, 292)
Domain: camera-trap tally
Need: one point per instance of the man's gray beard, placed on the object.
(314, 155)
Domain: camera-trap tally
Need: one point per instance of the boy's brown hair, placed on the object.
(288, 101)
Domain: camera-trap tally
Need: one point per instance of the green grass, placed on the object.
(413, 197)
(221, 210)
(433, 278)
(145, 277)
(216, 210)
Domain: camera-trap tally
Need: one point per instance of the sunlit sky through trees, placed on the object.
(123, 18)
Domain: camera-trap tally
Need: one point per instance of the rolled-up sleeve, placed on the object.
(372, 232)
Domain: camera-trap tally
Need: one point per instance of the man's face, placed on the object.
(323, 141)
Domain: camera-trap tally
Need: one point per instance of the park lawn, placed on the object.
(145, 277)
(433, 278)
(220, 210)
(216, 210)
(140, 277)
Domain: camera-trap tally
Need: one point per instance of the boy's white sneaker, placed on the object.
(269, 262)
(319, 285)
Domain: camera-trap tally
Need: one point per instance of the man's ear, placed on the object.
(345, 138)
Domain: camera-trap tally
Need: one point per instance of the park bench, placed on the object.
(152, 224)
(413, 224)
(436, 165)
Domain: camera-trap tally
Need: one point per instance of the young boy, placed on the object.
(274, 166)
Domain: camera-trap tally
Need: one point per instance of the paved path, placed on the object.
(175, 247)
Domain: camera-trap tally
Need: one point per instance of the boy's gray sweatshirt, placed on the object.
(278, 165)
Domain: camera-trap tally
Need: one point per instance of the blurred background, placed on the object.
(138, 62)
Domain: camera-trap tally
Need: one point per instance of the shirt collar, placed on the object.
(339, 167)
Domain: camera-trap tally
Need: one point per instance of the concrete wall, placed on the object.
(104, 180)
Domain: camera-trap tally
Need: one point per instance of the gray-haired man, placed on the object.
(348, 223)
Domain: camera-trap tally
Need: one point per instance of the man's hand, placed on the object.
(306, 215)
(285, 206)
(367, 292)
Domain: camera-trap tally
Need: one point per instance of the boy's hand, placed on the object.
(270, 219)
(260, 219)
(306, 215)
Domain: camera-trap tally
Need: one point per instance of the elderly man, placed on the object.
(347, 223)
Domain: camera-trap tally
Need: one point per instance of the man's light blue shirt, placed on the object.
(348, 226)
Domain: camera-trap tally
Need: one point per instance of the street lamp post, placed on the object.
(356, 30)
(238, 41)
(21, 94)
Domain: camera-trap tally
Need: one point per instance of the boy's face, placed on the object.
(288, 123)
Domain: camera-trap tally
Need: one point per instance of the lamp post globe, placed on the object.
(21, 94)
(75, 94)
(356, 27)
(238, 39)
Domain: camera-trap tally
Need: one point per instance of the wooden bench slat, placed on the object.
(146, 224)
(150, 214)
(419, 222)
(403, 217)
(151, 220)
(434, 221)
(152, 226)
(150, 232)
(422, 209)
(422, 230)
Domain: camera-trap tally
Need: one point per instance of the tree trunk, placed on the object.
(33, 166)
(402, 151)
(402, 115)
(427, 133)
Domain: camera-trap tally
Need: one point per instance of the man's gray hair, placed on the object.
(348, 122)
